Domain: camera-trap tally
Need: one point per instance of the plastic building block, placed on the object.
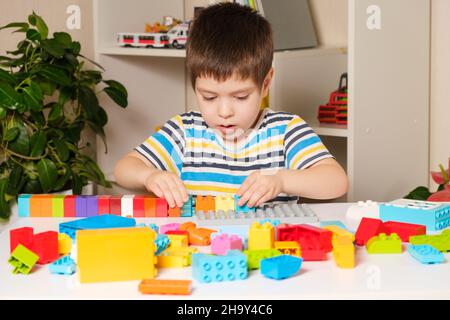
(440, 241)
(64, 244)
(336, 223)
(161, 207)
(339, 232)
(188, 225)
(188, 208)
(343, 251)
(126, 203)
(404, 230)
(197, 236)
(185, 252)
(367, 229)
(434, 215)
(103, 204)
(280, 267)
(154, 227)
(23, 236)
(254, 257)
(363, 209)
(166, 260)
(45, 245)
(222, 243)
(149, 207)
(46, 205)
(224, 203)
(138, 206)
(239, 230)
(119, 254)
(178, 232)
(91, 206)
(244, 208)
(35, 206)
(384, 244)
(425, 253)
(69, 206)
(209, 268)
(81, 206)
(99, 222)
(23, 203)
(288, 247)
(178, 240)
(64, 265)
(154, 286)
(261, 236)
(174, 212)
(273, 222)
(115, 205)
(287, 213)
(162, 242)
(205, 203)
(58, 206)
(23, 259)
(169, 227)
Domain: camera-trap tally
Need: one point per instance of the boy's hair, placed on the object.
(227, 38)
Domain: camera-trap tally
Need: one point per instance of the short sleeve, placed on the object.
(302, 146)
(165, 148)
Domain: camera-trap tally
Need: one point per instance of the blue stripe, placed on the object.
(301, 145)
(212, 177)
(169, 148)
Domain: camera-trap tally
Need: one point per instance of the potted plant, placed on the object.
(47, 98)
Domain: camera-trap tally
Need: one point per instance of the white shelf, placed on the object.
(328, 129)
(149, 52)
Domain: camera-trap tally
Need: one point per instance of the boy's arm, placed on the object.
(132, 170)
(325, 179)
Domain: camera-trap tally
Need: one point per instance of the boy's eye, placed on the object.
(242, 97)
(209, 98)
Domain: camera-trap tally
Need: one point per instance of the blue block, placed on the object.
(243, 208)
(81, 206)
(188, 208)
(64, 265)
(208, 268)
(333, 223)
(435, 216)
(23, 204)
(280, 267)
(105, 221)
(154, 227)
(162, 242)
(426, 253)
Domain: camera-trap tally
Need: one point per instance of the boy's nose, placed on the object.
(225, 111)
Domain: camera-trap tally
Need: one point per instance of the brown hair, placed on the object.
(227, 38)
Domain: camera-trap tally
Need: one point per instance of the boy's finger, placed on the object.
(176, 191)
(157, 191)
(265, 198)
(248, 182)
(256, 195)
(247, 195)
(182, 189)
(168, 194)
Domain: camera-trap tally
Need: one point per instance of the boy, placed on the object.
(231, 145)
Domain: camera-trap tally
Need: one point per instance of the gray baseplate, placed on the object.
(287, 213)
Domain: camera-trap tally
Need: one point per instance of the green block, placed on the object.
(23, 259)
(254, 257)
(440, 241)
(384, 244)
(58, 206)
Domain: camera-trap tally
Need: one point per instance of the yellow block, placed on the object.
(344, 252)
(261, 236)
(288, 247)
(178, 240)
(64, 244)
(225, 203)
(119, 254)
(338, 231)
(172, 261)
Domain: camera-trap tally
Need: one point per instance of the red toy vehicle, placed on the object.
(335, 111)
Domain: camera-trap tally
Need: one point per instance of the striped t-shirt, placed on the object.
(208, 165)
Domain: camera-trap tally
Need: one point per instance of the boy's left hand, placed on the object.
(260, 187)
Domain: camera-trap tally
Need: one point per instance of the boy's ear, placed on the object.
(267, 81)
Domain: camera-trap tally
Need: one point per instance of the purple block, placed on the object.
(80, 206)
(92, 206)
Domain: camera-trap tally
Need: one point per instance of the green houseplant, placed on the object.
(47, 97)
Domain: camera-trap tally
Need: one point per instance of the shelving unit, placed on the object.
(385, 146)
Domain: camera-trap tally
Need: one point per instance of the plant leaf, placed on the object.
(33, 97)
(32, 186)
(55, 74)
(89, 101)
(2, 113)
(9, 98)
(11, 134)
(5, 210)
(47, 88)
(64, 38)
(14, 180)
(41, 26)
(47, 174)
(21, 144)
(92, 61)
(53, 47)
(38, 143)
(419, 193)
(62, 150)
(56, 112)
(15, 25)
(117, 96)
(7, 77)
(33, 34)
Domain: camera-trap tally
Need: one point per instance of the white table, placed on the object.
(374, 277)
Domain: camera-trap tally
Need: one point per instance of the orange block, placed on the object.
(47, 205)
(149, 207)
(41, 205)
(35, 205)
(205, 203)
(174, 212)
(154, 286)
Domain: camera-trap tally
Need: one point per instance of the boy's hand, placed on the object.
(260, 187)
(167, 185)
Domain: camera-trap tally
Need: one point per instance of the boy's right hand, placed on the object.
(167, 185)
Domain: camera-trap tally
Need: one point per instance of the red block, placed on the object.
(138, 207)
(161, 207)
(103, 204)
(178, 232)
(367, 229)
(404, 230)
(45, 245)
(23, 236)
(115, 205)
(287, 232)
(322, 236)
(69, 206)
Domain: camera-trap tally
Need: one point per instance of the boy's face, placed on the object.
(231, 107)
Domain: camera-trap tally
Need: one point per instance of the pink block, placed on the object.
(223, 242)
(169, 227)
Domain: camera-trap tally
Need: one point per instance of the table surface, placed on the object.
(386, 276)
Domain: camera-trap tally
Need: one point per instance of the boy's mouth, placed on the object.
(227, 129)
